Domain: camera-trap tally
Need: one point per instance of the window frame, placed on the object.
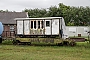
(47, 23)
(12, 27)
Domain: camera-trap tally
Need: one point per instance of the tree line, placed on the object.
(74, 16)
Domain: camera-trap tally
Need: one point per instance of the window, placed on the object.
(47, 23)
(31, 24)
(11, 28)
(34, 24)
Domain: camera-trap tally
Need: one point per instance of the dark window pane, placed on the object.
(47, 23)
(35, 24)
(31, 24)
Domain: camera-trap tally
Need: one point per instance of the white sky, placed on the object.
(19, 5)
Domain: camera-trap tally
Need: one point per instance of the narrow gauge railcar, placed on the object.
(40, 29)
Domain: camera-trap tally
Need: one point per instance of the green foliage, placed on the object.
(74, 16)
(7, 42)
(6, 11)
(36, 12)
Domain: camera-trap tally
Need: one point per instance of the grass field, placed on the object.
(25, 52)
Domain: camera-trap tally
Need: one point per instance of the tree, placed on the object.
(36, 12)
(74, 16)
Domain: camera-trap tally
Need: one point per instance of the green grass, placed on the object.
(25, 52)
(7, 42)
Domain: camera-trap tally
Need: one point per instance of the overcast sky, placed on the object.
(19, 5)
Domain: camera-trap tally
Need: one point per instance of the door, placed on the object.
(55, 26)
(32, 27)
(47, 27)
(26, 27)
(20, 27)
(40, 26)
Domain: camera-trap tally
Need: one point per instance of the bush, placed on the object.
(7, 42)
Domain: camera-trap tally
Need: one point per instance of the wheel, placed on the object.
(66, 43)
(15, 42)
(29, 43)
(60, 44)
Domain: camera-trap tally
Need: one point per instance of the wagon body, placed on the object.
(48, 29)
(49, 26)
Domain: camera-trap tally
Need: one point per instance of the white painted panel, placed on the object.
(47, 28)
(72, 30)
(55, 27)
(86, 30)
(26, 27)
(64, 35)
(19, 27)
(80, 30)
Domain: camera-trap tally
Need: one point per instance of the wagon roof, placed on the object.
(46, 18)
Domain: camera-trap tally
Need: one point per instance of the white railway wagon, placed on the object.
(45, 27)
